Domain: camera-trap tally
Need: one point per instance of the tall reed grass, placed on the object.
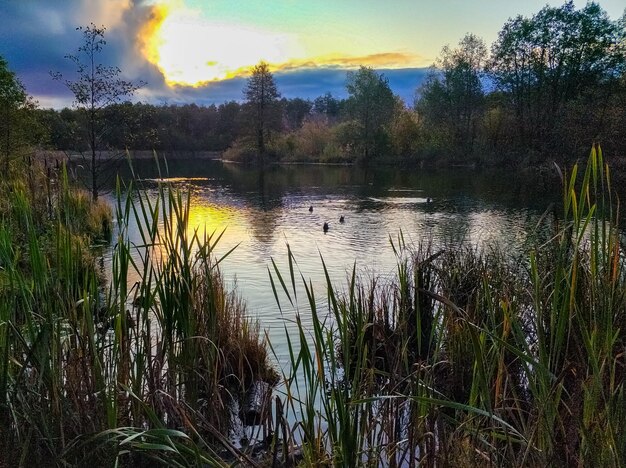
(465, 357)
(472, 357)
(129, 374)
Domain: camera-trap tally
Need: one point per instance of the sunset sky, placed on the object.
(200, 51)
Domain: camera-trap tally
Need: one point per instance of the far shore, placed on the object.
(134, 154)
(548, 165)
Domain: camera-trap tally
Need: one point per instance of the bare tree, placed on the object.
(96, 87)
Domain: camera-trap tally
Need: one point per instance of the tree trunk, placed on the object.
(261, 145)
(94, 168)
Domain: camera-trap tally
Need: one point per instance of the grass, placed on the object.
(470, 357)
(115, 375)
(463, 357)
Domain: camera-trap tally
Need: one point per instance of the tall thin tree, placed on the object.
(262, 97)
(96, 87)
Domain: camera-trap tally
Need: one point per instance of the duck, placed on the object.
(326, 228)
(341, 219)
(311, 209)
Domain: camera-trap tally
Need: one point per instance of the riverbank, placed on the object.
(521, 162)
(460, 357)
(77, 157)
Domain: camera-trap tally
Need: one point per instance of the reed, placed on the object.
(469, 357)
(130, 374)
(463, 357)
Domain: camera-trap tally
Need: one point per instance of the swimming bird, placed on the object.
(341, 219)
(311, 209)
(326, 228)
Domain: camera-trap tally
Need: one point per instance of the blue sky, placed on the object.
(199, 51)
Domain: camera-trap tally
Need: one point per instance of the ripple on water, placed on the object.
(262, 216)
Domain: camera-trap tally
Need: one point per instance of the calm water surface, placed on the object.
(263, 212)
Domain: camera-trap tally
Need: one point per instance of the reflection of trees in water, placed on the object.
(267, 191)
(262, 215)
(280, 180)
(257, 207)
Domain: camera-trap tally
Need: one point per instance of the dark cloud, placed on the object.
(36, 35)
(306, 83)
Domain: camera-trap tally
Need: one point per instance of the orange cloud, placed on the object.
(148, 38)
(379, 60)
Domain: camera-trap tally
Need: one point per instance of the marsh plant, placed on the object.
(471, 357)
(124, 373)
(463, 357)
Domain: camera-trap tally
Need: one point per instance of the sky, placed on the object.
(201, 51)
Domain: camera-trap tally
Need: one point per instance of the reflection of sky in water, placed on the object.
(263, 214)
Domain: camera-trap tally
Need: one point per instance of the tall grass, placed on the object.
(464, 357)
(470, 357)
(131, 374)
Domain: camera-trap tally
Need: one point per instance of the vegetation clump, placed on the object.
(161, 355)
(469, 357)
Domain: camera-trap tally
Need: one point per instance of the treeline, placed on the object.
(551, 84)
(189, 127)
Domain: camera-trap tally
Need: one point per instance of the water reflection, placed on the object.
(261, 212)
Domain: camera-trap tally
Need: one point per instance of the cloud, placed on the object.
(36, 35)
(386, 60)
(110, 13)
(307, 83)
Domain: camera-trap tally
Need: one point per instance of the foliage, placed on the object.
(242, 150)
(295, 112)
(370, 105)
(17, 127)
(262, 101)
(328, 106)
(452, 97)
(547, 61)
(405, 131)
(316, 140)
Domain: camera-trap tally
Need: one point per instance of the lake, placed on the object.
(261, 212)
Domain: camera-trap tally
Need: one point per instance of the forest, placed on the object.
(549, 86)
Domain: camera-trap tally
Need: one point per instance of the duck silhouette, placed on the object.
(341, 219)
(326, 228)
(311, 209)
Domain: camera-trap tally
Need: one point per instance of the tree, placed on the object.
(262, 99)
(96, 87)
(452, 96)
(370, 105)
(405, 130)
(553, 58)
(14, 105)
(295, 111)
(228, 125)
(327, 106)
